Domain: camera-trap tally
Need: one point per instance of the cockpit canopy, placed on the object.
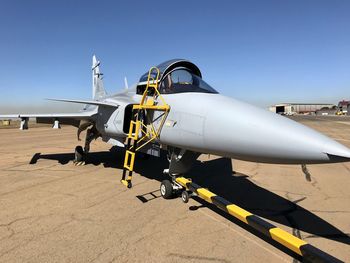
(182, 80)
(177, 76)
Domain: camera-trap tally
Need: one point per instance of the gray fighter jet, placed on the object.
(173, 109)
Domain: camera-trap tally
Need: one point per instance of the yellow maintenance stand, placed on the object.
(142, 131)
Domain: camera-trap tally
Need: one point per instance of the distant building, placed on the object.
(299, 108)
(348, 109)
(323, 112)
(343, 106)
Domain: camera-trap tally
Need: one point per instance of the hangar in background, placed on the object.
(299, 108)
(344, 106)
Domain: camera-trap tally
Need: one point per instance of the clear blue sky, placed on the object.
(262, 52)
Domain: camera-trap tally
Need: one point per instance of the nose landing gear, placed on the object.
(166, 189)
(181, 162)
(169, 189)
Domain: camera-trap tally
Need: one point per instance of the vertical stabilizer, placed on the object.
(126, 83)
(98, 91)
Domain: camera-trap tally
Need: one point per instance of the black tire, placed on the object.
(185, 196)
(166, 189)
(79, 154)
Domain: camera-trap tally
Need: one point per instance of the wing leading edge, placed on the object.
(64, 118)
(73, 119)
(89, 102)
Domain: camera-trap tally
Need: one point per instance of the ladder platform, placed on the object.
(151, 107)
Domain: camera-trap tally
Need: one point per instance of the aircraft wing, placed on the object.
(49, 118)
(78, 115)
(65, 118)
(89, 102)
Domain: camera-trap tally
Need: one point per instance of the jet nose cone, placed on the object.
(336, 150)
(245, 132)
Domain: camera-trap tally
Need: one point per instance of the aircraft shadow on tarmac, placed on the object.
(217, 175)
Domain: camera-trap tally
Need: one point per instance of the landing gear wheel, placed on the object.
(79, 155)
(166, 189)
(129, 185)
(185, 196)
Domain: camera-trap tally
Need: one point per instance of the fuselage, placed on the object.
(220, 125)
(204, 121)
(216, 124)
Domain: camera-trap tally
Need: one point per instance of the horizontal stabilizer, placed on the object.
(89, 102)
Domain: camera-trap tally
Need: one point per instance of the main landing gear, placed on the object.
(80, 154)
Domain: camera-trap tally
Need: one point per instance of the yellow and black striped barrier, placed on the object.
(298, 246)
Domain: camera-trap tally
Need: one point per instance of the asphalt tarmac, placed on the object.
(53, 211)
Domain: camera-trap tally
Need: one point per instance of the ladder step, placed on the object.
(129, 160)
(134, 130)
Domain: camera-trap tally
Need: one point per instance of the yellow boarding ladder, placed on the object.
(142, 131)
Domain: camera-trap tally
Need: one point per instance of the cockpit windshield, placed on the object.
(182, 80)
